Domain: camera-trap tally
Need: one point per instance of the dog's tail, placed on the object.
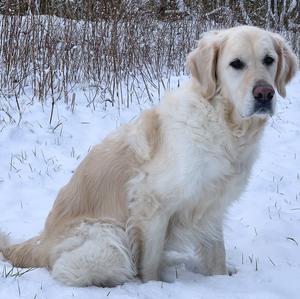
(25, 255)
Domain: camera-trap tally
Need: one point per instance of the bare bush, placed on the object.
(125, 54)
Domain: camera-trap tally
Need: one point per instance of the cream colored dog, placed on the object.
(166, 179)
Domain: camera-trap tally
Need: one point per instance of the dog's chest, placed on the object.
(210, 163)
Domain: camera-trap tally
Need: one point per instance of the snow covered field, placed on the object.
(262, 232)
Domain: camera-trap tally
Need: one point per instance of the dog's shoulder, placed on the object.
(144, 134)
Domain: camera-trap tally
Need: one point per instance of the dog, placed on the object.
(164, 181)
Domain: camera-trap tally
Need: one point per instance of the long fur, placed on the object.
(163, 182)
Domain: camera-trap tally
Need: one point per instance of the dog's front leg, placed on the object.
(154, 232)
(213, 257)
(147, 228)
(211, 248)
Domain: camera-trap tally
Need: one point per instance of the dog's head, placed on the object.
(245, 64)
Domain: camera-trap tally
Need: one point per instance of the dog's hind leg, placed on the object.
(94, 253)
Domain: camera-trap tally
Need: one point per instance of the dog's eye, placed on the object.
(268, 60)
(237, 64)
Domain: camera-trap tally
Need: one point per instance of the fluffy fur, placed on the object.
(163, 182)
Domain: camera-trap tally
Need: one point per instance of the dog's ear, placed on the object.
(202, 63)
(287, 63)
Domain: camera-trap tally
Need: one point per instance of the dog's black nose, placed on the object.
(263, 93)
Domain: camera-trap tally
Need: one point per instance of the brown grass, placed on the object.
(116, 61)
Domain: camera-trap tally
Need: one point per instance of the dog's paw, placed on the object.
(231, 270)
(167, 274)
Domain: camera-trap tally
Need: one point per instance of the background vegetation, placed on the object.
(116, 51)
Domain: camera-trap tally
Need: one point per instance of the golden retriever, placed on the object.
(166, 179)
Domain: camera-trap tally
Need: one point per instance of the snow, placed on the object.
(262, 231)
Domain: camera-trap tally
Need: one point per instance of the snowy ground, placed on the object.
(262, 232)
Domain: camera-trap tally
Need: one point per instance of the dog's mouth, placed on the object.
(260, 112)
(263, 111)
(263, 108)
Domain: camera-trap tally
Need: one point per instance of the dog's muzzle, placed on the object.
(263, 94)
